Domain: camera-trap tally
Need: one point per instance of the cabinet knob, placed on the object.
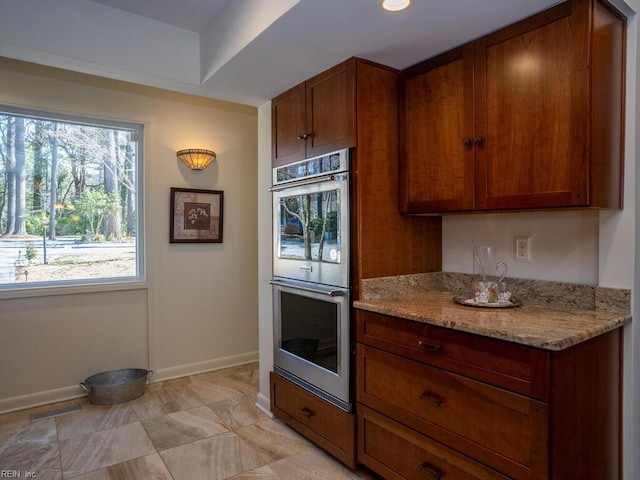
(430, 397)
(479, 139)
(430, 471)
(467, 141)
(307, 412)
(430, 347)
(304, 136)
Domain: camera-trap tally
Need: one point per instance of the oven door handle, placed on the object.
(330, 293)
(300, 183)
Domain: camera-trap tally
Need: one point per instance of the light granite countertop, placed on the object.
(532, 325)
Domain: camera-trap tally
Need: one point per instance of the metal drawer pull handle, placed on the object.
(431, 347)
(300, 183)
(467, 141)
(430, 470)
(430, 397)
(304, 136)
(331, 293)
(307, 412)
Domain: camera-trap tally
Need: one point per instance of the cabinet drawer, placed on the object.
(502, 429)
(508, 365)
(329, 427)
(398, 452)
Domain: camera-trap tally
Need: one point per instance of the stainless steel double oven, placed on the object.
(311, 275)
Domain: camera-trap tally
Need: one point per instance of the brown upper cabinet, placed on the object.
(315, 117)
(528, 117)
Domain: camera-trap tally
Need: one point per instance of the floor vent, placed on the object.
(54, 413)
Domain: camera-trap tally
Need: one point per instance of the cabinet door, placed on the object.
(329, 427)
(400, 453)
(288, 126)
(501, 429)
(511, 366)
(532, 113)
(330, 110)
(436, 134)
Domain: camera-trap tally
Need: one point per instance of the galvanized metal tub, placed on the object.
(116, 386)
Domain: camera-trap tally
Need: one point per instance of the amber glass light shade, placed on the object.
(196, 158)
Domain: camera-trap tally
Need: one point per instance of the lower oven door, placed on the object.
(311, 338)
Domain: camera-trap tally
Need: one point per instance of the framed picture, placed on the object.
(196, 216)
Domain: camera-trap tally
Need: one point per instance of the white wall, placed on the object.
(49, 344)
(265, 250)
(198, 310)
(619, 259)
(563, 245)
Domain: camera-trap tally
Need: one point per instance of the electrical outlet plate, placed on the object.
(523, 249)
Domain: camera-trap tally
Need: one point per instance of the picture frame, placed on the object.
(196, 216)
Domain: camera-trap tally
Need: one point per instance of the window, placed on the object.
(70, 200)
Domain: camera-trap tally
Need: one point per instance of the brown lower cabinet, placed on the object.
(327, 426)
(457, 409)
(398, 452)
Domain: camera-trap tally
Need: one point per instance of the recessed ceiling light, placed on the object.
(395, 5)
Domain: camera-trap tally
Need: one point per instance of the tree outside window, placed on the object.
(69, 199)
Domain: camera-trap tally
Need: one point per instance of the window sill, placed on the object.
(44, 291)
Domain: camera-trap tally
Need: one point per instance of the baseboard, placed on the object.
(46, 397)
(164, 374)
(264, 404)
(38, 399)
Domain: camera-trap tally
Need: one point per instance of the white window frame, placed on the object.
(66, 287)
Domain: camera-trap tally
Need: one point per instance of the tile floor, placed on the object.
(203, 427)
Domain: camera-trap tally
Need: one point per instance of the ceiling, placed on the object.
(192, 15)
(244, 51)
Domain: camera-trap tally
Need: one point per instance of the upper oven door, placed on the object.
(311, 230)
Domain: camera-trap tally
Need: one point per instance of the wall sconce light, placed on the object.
(395, 5)
(196, 158)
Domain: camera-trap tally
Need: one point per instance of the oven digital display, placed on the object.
(309, 168)
(309, 329)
